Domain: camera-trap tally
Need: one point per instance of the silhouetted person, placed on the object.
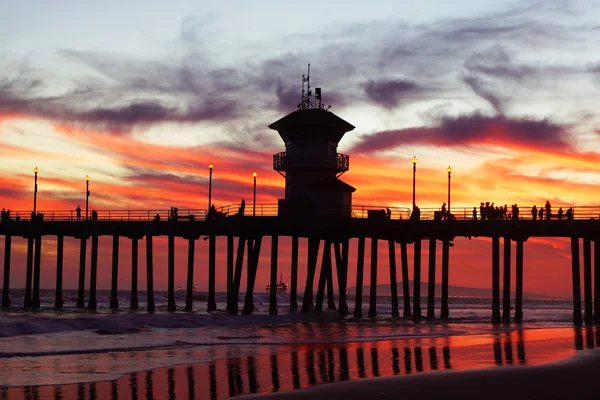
(18, 218)
(94, 215)
(8, 214)
(474, 213)
(560, 214)
(548, 210)
(242, 208)
(569, 214)
(3, 214)
(212, 212)
(157, 218)
(534, 212)
(515, 213)
(541, 214)
(32, 216)
(482, 211)
(388, 213)
(444, 211)
(416, 214)
(78, 213)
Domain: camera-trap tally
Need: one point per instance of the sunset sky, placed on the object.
(143, 96)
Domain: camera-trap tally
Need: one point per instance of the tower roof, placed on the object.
(332, 184)
(311, 122)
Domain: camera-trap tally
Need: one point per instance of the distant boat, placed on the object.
(180, 288)
(282, 287)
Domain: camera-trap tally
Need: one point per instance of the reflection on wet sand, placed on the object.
(292, 367)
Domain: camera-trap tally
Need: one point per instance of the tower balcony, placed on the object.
(335, 161)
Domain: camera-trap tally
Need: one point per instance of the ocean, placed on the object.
(131, 354)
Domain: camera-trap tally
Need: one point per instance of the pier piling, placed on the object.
(342, 273)
(171, 306)
(588, 315)
(519, 283)
(93, 303)
(6, 280)
(330, 299)
(496, 280)
(81, 286)
(114, 299)
(35, 302)
(273, 288)
(577, 320)
(393, 280)
(29, 273)
(230, 272)
(58, 300)
(189, 295)
(445, 313)
(134, 304)
(253, 257)
(311, 268)
(360, 266)
(431, 280)
(597, 282)
(416, 317)
(237, 278)
(294, 282)
(405, 284)
(149, 275)
(212, 304)
(373, 284)
(323, 275)
(506, 285)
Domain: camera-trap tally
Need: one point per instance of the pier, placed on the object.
(328, 241)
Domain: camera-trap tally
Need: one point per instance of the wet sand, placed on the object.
(574, 378)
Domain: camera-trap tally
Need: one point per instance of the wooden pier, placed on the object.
(328, 239)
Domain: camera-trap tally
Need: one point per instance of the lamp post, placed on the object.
(254, 175)
(35, 172)
(449, 172)
(210, 168)
(87, 195)
(414, 161)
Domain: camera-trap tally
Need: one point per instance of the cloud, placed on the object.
(482, 91)
(473, 129)
(389, 93)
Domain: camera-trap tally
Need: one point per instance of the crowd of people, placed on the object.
(490, 212)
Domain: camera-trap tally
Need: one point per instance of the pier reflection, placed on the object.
(282, 368)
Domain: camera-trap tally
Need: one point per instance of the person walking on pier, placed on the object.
(548, 210)
(416, 214)
(242, 208)
(3, 214)
(534, 212)
(569, 214)
(482, 211)
(444, 216)
(560, 214)
(78, 213)
(541, 214)
(388, 213)
(475, 213)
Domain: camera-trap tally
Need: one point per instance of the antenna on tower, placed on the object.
(306, 102)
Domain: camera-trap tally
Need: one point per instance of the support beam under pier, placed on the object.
(519, 283)
(587, 281)
(114, 297)
(134, 304)
(506, 285)
(313, 256)
(230, 262)
(35, 302)
(93, 303)
(294, 282)
(405, 284)
(325, 267)
(445, 313)
(29, 273)
(171, 306)
(58, 301)
(189, 295)
(577, 320)
(237, 278)
(597, 281)
(273, 288)
(373, 285)
(81, 287)
(6, 281)
(150, 275)
(393, 279)
(431, 283)
(496, 280)
(360, 266)
(253, 257)
(212, 303)
(417, 282)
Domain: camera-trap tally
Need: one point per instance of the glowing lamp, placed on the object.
(87, 178)
(211, 166)
(255, 174)
(36, 170)
(449, 169)
(414, 160)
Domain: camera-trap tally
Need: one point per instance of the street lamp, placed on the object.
(449, 172)
(210, 167)
(35, 172)
(254, 175)
(87, 195)
(414, 161)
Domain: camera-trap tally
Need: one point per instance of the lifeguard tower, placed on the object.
(311, 164)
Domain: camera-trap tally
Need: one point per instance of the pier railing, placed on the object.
(271, 210)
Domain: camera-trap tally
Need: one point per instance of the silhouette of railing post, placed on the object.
(273, 288)
(496, 280)
(325, 265)
(58, 300)
(294, 282)
(114, 297)
(189, 294)
(506, 285)
(171, 306)
(597, 282)
(212, 304)
(393, 280)
(6, 280)
(405, 283)
(360, 266)
(313, 255)
(519, 283)
(239, 263)
(230, 271)
(35, 303)
(149, 274)
(81, 286)
(431, 283)
(92, 303)
(576, 281)
(588, 315)
(445, 312)
(134, 304)
(373, 284)
(29, 272)
(417, 281)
